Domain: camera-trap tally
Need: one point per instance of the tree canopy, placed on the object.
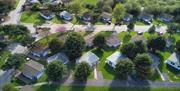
(74, 45)
(143, 65)
(99, 41)
(82, 71)
(157, 43)
(55, 70)
(131, 49)
(14, 61)
(124, 68)
(56, 45)
(119, 11)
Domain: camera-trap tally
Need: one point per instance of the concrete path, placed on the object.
(15, 15)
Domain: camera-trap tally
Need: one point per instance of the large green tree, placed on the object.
(124, 68)
(6, 5)
(56, 45)
(119, 11)
(55, 71)
(141, 47)
(156, 43)
(99, 41)
(143, 64)
(133, 8)
(129, 50)
(14, 61)
(82, 71)
(74, 45)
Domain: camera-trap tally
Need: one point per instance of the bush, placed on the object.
(82, 71)
(55, 71)
(124, 68)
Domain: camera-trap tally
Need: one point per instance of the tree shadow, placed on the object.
(48, 88)
(129, 85)
(99, 53)
(77, 85)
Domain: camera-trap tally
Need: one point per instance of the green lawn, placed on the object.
(107, 71)
(150, 35)
(3, 56)
(103, 88)
(126, 36)
(32, 17)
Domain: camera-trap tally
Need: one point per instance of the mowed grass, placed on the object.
(95, 88)
(31, 17)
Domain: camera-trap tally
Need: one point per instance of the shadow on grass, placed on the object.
(48, 88)
(78, 85)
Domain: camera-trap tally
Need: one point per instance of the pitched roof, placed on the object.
(175, 57)
(17, 48)
(88, 57)
(138, 38)
(113, 40)
(34, 65)
(115, 57)
(60, 57)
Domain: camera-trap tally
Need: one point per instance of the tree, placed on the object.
(119, 12)
(172, 28)
(56, 45)
(75, 6)
(133, 48)
(124, 68)
(99, 41)
(82, 71)
(152, 29)
(9, 87)
(178, 46)
(133, 8)
(157, 43)
(143, 65)
(130, 26)
(74, 45)
(141, 47)
(55, 71)
(3, 45)
(14, 61)
(28, 40)
(6, 5)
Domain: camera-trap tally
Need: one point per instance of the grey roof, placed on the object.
(34, 65)
(166, 17)
(17, 48)
(89, 40)
(106, 16)
(113, 40)
(146, 16)
(88, 57)
(175, 57)
(115, 57)
(138, 38)
(60, 57)
(128, 17)
(66, 15)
